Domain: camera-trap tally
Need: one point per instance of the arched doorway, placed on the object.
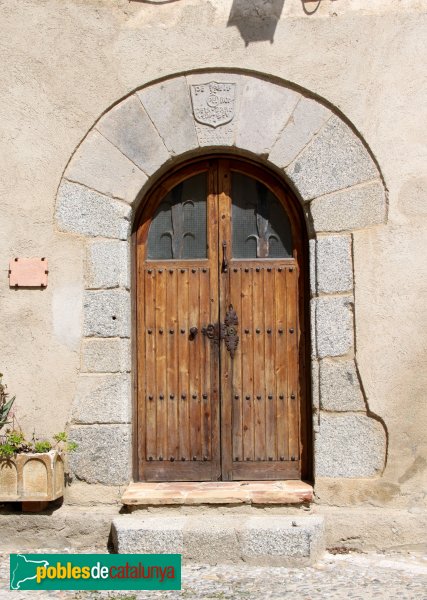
(220, 332)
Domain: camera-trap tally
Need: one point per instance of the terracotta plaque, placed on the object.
(28, 272)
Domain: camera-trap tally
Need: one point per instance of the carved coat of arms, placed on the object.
(213, 103)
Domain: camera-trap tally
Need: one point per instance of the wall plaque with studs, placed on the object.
(28, 272)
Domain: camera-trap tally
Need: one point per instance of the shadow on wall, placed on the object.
(256, 20)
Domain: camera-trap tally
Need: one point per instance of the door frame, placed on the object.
(292, 206)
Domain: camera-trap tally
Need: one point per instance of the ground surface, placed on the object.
(356, 576)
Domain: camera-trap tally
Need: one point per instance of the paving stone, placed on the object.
(107, 265)
(106, 355)
(221, 135)
(371, 576)
(339, 386)
(335, 159)
(349, 445)
(99, 165)
(334, 326)
(85, 212)
(106, 313)
(334, 264)
(103, 454)
(130, 129)
(169, 106)
(306, 120)
(265, 109)
(102, 399)
(350, 209)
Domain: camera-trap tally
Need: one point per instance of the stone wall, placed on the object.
(335, 62)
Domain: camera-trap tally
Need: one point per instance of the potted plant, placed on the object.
(30, 471)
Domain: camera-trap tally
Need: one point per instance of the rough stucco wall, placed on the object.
(65, 62)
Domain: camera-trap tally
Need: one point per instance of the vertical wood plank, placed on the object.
(281, 364)
(247, 356)
(214, 297)
(259, 363)
(224, 265)
(270, 345)
(205, 366)
(194, 399)
(161, 374)
(172, 333)
(236, 395)
(292, 360)
(183, 364)
(150, 391)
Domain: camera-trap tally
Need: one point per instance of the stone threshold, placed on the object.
(217, 492)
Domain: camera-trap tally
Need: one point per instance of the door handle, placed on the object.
(212, 332)
(224, 266)
(226, 331)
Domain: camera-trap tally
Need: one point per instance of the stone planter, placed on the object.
(32, 477)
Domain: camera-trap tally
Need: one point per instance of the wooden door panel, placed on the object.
(264, 388)
(292, 340)
(179, 370)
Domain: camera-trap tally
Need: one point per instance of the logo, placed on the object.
(213, 103)
(95, 572)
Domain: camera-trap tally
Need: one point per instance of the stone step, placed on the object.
(274, 540)
(217, 492)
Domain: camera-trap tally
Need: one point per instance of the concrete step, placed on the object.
(275, 540)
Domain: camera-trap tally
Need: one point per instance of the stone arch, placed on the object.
(341, 189)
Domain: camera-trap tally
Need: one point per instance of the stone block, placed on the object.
(130, 129)
(107, 265)
(106, 355)
(335, 159)
(351, 445)
(306, 120)
(313, 332)
(268, 540)
(106, 314)
(221, 135)
(315, 385)
(312, 266)
(339, 386)
(99, 165)
(168, 105)
(85, 212)
(334, 264)
(287, 540)
(334, 326)
(102, 399)
(350, 209)
(146, 535)
(103, 454)
(265, 109)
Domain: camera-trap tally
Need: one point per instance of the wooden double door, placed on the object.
(219, 327)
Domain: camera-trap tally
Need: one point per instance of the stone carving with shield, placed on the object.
(213, 103)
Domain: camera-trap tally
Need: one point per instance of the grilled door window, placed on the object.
(178, 229)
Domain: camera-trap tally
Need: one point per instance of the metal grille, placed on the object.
(178, 229)
(261, 228)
